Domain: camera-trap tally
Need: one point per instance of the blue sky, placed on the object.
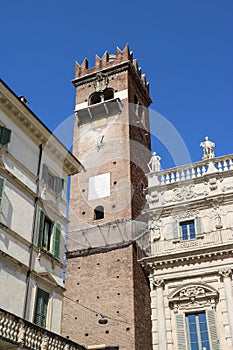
(185, 47)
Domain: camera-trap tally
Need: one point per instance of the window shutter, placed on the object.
(212, 327)
(45, 174)
(40, 228)
(175, 231)
(59, 183)
(42, 301)
(56, 239)
(198, 227)
(5, 136)
(181, 332)
(2, 185)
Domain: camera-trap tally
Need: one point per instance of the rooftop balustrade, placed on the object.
(191, 171)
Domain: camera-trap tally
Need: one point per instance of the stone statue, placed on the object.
(154, 163)
(155, 230)
(208, 148)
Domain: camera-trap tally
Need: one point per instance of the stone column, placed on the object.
(158, 284)
(226, 275)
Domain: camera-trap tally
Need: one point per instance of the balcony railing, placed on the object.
(207, 240)
(100, 110)
(25, 335)
(194, 170)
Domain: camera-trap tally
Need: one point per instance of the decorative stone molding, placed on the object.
(193, 295)
(227, 272)
(213, 184)
(101, 82)
(186, 214)
(153, 197)
(183, 193)
(159, 282)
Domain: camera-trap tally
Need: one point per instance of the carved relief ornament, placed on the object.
(186, 214)
(183, 193)
(158, 282)
(227, 272)
(101, 82)
(193, 295)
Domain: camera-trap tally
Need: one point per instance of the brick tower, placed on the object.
(112, 141)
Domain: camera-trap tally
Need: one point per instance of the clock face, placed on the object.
(100, 143)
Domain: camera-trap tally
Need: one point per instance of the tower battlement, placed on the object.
(108, 61)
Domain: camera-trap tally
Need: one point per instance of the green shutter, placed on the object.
(181, 332)
(40, 227)
(45, 173)
(56, 240)
(175, 231)
(41, 309)
(212, 327)
(198, 227)
(5, 136)
(59, 183)
(2, 185)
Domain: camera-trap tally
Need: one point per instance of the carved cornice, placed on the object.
(196, 254)
(36, 130)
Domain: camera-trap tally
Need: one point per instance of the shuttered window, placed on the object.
(55, 183)
(186, 230)
(2, 185)
(211, 322)
(197, 331)
(56, 240)
(41, 308)
(48, 234)
(5, 136)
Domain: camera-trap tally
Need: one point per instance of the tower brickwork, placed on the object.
(112, 141)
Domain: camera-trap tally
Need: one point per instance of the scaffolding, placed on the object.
(112, 234)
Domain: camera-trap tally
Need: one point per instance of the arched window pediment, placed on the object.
(193, 295)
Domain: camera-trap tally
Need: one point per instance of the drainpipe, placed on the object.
(33, 233)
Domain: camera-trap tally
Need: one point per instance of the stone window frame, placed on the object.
(177, 234)
(194, 298)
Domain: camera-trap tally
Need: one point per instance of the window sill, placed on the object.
(180, 240)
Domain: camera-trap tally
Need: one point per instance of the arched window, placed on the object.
(108, 94)
(99, 212)
(95, 98)
(98, 97)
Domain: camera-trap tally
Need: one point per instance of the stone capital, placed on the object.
(158, 283)
(227, 272)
